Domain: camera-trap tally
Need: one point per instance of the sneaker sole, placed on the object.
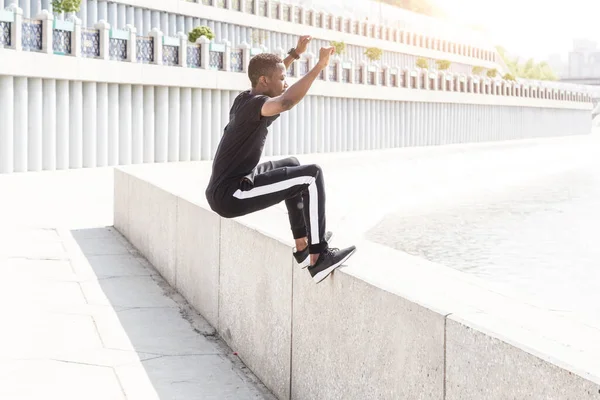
(325, 273)
(306, 261)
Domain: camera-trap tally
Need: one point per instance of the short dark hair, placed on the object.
(262, 65)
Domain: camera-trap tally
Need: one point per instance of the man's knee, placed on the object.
(315, 170)
(293, 161)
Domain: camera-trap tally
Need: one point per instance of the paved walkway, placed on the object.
(84, 316)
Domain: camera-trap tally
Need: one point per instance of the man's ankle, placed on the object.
(301, 244)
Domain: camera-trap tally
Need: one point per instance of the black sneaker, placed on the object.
(302, 257)
(329, 260)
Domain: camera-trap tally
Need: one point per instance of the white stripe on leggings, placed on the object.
(283, 185)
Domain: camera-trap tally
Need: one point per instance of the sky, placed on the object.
(527, 28)
(531, 28)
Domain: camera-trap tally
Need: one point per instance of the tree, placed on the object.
(528, 70)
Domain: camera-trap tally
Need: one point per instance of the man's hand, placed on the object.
(303, 44)
(324, 55)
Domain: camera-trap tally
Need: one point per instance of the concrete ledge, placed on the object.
(388, 326)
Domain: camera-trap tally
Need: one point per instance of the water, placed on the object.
(539, 241)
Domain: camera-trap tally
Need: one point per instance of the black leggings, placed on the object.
(302, 188)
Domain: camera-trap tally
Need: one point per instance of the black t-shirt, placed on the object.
(243, 140)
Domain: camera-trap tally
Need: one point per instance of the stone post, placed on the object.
(15, 26)
(104, 39)
(132, 43)
(204, 43)
(47, 20)
(75, 36)
(183, 41)
(157, 36)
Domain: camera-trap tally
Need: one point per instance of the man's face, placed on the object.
(276, 83)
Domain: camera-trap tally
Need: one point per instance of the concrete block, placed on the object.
(256, 302)
(161, 226)
(198, 233)
(479, 366)
(121, 201)
(139, 214)
(353, 340)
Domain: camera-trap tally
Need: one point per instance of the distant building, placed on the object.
(584, 61)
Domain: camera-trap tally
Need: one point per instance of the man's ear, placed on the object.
(263, 80)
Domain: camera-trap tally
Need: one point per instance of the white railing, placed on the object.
(103, 42)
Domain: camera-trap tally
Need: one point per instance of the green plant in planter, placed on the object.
(340, 47)
(422, 63)
(442, 64)
(67, 6)
(492, 73)
(373, 53)
(198, 31)
(508, 77)
(477, 70)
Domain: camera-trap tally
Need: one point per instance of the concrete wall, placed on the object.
(98, 113)
(398, 329)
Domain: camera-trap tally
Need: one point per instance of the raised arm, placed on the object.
(298, 90)
(299, 49)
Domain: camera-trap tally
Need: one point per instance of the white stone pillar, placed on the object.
(130, 15)
(112, 15)
(103, 32)
(245, 47)
(206, 124)
(124, 124)
(102, 10)
(76, 125)
(90, 125)
(47, 20)
(196, 126)
(227, 55)
(157, 35)
(174, 115)
(26, 8)
(148, 124)
(161, 149)
(102, 125)
(113, 124)
(183, 43)
(15, 27)
(121, 16)
(83, 12)
(137, 125)
(76, 37)
(164, 23)
(92, 13)
(216, 128)
(49, 125)
(6, 123)
(185, 128)
(204, 43)
(34, 124)
(132, 44)
(147, 16)
(19, 123)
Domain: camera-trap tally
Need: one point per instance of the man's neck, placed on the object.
(257, 91)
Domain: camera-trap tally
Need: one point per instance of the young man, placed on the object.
(239, 185)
